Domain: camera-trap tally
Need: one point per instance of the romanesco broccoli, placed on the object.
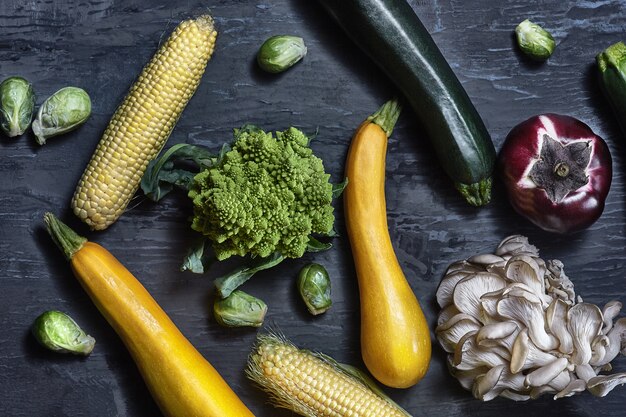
(268, 194)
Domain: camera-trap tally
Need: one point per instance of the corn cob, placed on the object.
(314, 385)
(143, 122)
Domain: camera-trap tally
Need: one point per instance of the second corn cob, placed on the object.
(314, 385)
(143, 122)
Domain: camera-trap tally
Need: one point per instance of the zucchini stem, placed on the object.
(387, 116)
(65, 238)
(477, 194)
(614, 55)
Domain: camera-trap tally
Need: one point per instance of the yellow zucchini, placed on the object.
(182, 382)
(395, 340)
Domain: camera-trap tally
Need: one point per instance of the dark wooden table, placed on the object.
(101, 45)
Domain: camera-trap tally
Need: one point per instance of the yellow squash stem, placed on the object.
(182, 382)
(395, 339)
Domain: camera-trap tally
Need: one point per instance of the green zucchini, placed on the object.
(392, 35)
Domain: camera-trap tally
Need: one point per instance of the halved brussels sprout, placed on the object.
(58, 332)
(17, 103)
(63, 111)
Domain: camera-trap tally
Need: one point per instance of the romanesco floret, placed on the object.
(268, 194)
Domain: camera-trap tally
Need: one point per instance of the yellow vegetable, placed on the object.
(182, 382)
(143, 122)
(395, 340)
(314, 385)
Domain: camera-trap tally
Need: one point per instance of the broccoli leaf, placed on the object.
(315, 245)
(197, 259)
(162, 175)
(226, 284)
(338, 188)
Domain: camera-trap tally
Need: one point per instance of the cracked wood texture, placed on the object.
(101, 46)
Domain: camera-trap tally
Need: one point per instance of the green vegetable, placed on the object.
(314, 288)
(62, 112)
(58, 332)
(612, 65)
(393, 36)
(17, 102)
(162, 175)
(279, 53)
(231, 281)
(263, 197)
(240, 310)
(269, 194)
(198, 258)
(534, 41)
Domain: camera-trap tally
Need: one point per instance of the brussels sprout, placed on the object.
(58, 332)
(239, 309)
(17, 102)
(534, 41)
(279, 53)
(314, 287)
(63, 111)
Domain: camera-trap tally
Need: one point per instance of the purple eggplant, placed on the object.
(557, 172)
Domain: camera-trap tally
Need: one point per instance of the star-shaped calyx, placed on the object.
(561, 168)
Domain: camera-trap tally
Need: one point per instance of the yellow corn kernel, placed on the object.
(313, 385)
(141, 125)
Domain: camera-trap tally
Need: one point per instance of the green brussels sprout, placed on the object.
(63, 111)
(58, 332)
(239, 309)
(314, 287)
(534, 41)
(17, 103)
(281, 52)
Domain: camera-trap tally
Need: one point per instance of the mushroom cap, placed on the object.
(602, 385)
(526, 355)
(609, 312)
(584, 323)
(616, 340)
(446, 287)
(469, 290)
(450, 333)
(525, 270)
(497, 334)
(447, 313)
(574, 387)
(529, 312)
(469, 354)
(545, 374)
(556, 320)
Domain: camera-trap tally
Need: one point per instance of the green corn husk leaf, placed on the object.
(612, 65)
(281, 398)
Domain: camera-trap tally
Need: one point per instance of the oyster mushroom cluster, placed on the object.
(513, 327)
